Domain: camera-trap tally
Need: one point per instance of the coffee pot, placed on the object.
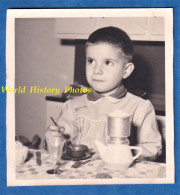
(117, 153)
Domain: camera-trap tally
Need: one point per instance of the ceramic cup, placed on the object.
(77, 151)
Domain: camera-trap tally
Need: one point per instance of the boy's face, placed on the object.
(105, 67)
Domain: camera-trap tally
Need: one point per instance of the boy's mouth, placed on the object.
(98, 80)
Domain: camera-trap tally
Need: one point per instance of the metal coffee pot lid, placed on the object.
(119, 123)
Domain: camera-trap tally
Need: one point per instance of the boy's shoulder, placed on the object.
(79, 101)
(135, 97)
(136, 100)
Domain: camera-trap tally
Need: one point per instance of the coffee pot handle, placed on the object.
(136, 148)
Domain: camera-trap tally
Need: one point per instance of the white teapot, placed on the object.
(117, 153)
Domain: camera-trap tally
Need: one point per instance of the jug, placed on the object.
(117, 153)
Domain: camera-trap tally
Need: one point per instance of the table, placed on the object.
(95, 169)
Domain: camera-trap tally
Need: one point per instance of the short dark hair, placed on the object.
(114, 36)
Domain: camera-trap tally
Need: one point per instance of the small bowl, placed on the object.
(77, 151)
(21, 153)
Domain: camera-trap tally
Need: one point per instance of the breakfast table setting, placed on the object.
(62, 159)
(38, 163)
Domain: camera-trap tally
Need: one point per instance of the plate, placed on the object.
(65, 156)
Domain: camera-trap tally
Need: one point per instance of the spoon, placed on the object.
(61, 131)
(79, 163)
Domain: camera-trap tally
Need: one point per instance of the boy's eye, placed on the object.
(90, 61)
(109, 63)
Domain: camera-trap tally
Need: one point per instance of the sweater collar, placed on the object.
(118, 94)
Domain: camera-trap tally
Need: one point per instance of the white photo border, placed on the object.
(167, 13)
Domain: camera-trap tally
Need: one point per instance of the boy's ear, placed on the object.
(128, 69)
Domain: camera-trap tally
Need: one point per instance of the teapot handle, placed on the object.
(139, 152)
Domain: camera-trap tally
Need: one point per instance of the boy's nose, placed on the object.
(98, 69)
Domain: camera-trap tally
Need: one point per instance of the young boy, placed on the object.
(109, 53)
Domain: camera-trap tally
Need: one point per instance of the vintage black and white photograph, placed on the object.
(89, 96)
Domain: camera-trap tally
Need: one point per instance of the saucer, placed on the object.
(65, 156)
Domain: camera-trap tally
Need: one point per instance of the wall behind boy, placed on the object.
(41, 60)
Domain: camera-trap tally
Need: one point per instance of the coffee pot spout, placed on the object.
(101, 148)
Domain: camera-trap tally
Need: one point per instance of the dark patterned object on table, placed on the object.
(103, 176)
(34, 144)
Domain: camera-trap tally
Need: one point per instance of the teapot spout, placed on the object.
(101, 148)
